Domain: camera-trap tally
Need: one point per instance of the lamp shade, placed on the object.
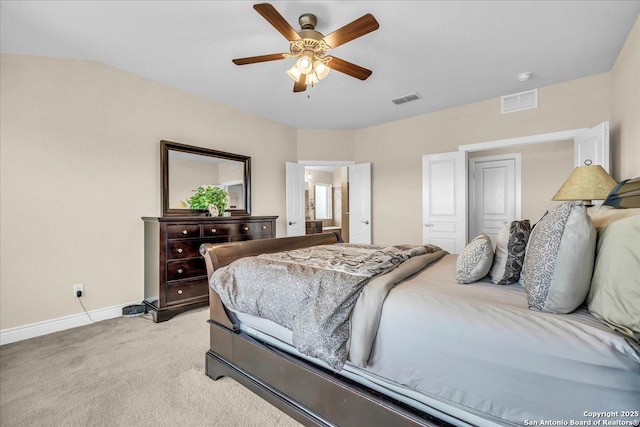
(321, 69)
(294, 73)
(305, 62)
(586, 183)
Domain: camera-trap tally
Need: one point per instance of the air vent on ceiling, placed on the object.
(520, 101)
(406, 98)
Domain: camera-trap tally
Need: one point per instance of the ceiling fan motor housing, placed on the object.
(307, 21)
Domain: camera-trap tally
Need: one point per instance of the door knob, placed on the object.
(365, 222)
(428, 225)
(291, 223)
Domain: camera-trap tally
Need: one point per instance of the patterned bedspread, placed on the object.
(310, 291)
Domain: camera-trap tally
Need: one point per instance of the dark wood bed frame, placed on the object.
(310, 394)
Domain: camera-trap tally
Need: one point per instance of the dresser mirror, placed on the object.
(185, 168)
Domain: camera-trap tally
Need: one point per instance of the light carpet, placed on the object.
(124, 371)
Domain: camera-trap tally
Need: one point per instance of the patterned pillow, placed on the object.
(474, 262)
(559, 259)
(509, 257)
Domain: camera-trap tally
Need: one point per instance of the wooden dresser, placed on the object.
(175, 276)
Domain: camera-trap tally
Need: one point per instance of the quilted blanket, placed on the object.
(310, 291)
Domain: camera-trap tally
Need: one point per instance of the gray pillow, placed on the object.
(474, 262)
(559, 259)
(510, 250)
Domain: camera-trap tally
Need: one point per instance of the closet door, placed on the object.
(444, 200)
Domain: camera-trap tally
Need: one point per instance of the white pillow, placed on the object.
(475, 260)
(510, 250)
(559, 259)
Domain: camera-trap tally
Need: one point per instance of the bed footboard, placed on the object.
(309, 394)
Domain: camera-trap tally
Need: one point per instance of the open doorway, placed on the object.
(326, 199)
(356, 216)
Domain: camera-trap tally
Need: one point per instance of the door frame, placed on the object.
(326, 162)
(517, 171)
(522, 140)
(566, 135)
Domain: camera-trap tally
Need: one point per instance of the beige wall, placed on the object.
(544, 168)
(324, 144)
(625, 108)
(395, 149)
(80, 164)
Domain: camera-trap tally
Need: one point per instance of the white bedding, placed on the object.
(477, 349)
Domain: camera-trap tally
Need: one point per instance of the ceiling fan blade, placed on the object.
(270, 13)
(301, 85)
(349, 68)
(255, 59)
(361, 26)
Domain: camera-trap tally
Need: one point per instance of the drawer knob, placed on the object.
(179, 271)
(180, 250)
(264, 227)
(213, 230)
(246, 229)
(179, 291)
(185, 232)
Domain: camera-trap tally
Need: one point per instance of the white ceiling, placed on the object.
(451, 52)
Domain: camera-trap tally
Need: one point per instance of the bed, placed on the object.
(443, 354)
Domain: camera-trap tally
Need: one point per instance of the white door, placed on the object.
(593, 145)
(444, 200)
(295, 199)
(360, 203)
(494, 194)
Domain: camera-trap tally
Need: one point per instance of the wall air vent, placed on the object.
(520, 101)
(406, 98)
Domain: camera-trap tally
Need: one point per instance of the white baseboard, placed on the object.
(32, 330)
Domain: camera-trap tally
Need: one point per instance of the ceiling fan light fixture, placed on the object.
(305, 62)
(294, 73)
(321, 70)
(312, 78)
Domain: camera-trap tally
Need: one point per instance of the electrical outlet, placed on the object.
(78, 287)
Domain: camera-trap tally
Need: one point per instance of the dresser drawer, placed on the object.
(227, 229)
(184, 269)
(186, 231)
(213, 230)
(186, 289)
(262, 228)
(178, 249)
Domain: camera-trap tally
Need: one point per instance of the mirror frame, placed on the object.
(166, 146)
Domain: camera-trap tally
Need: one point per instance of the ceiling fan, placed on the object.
(310, 47)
